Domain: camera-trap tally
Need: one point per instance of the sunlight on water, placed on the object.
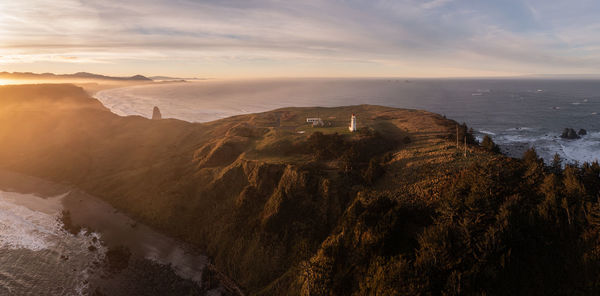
(26, 81)
(8, 82)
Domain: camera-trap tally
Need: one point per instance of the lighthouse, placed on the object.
(352, 126)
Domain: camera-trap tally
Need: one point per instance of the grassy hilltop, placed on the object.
(284, 208)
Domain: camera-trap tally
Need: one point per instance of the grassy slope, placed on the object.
(269, 216)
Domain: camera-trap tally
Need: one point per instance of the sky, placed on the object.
(301, 38)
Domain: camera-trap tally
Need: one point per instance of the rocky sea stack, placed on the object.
(156, 114)
(569, 133)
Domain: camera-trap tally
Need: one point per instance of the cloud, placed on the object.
(384, 37)
(434, 4)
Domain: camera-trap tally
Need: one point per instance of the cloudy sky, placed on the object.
(249, 38)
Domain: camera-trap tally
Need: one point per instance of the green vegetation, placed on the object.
(394, 209)
(463, 133)
(359, 157)
(488, 144)
(507, 228)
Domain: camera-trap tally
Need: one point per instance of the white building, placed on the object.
(352, 126)
(315, 121)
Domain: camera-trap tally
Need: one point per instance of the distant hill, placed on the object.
(78, 75)
(173, 78)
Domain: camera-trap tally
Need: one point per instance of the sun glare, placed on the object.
(9, 82)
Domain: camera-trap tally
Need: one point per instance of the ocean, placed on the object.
(38, 256)
(516, 113)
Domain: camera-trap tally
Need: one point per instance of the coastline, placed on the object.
(94, 87)
(225, 169)
(267, 200)
(508, 124)
(152, 253)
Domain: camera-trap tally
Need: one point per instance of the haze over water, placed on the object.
(517, 113)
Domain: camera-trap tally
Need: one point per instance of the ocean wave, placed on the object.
(487, 132)
(585, 149)
(22, 228)
(523, 128)
(522, 138)
(30, 224)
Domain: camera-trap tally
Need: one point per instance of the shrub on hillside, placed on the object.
(464, 133)
(489, 145)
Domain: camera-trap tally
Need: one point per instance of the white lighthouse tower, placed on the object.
(352, 126)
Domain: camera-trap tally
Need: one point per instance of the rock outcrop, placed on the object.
(156, 114)
(582, 132)
(569, 133)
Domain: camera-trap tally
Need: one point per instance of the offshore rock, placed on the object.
(569, 133)
(156, 114)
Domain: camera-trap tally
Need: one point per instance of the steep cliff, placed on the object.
(256, 193)
(284, 208)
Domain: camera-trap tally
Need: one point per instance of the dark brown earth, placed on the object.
(248, 190)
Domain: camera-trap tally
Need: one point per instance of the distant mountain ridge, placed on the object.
(174, 78)
(78, 75)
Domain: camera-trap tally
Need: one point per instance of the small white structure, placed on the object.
(315, 121)
(352, 126)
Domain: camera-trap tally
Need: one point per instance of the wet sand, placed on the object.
(152, 253)
(14, 182)
(118, 229)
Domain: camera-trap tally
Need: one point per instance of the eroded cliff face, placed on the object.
(267, 217)
(248, 189)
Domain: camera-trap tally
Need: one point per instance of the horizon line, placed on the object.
(260, 77)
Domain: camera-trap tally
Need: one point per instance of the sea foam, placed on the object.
(22, 228)
(30, 223)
